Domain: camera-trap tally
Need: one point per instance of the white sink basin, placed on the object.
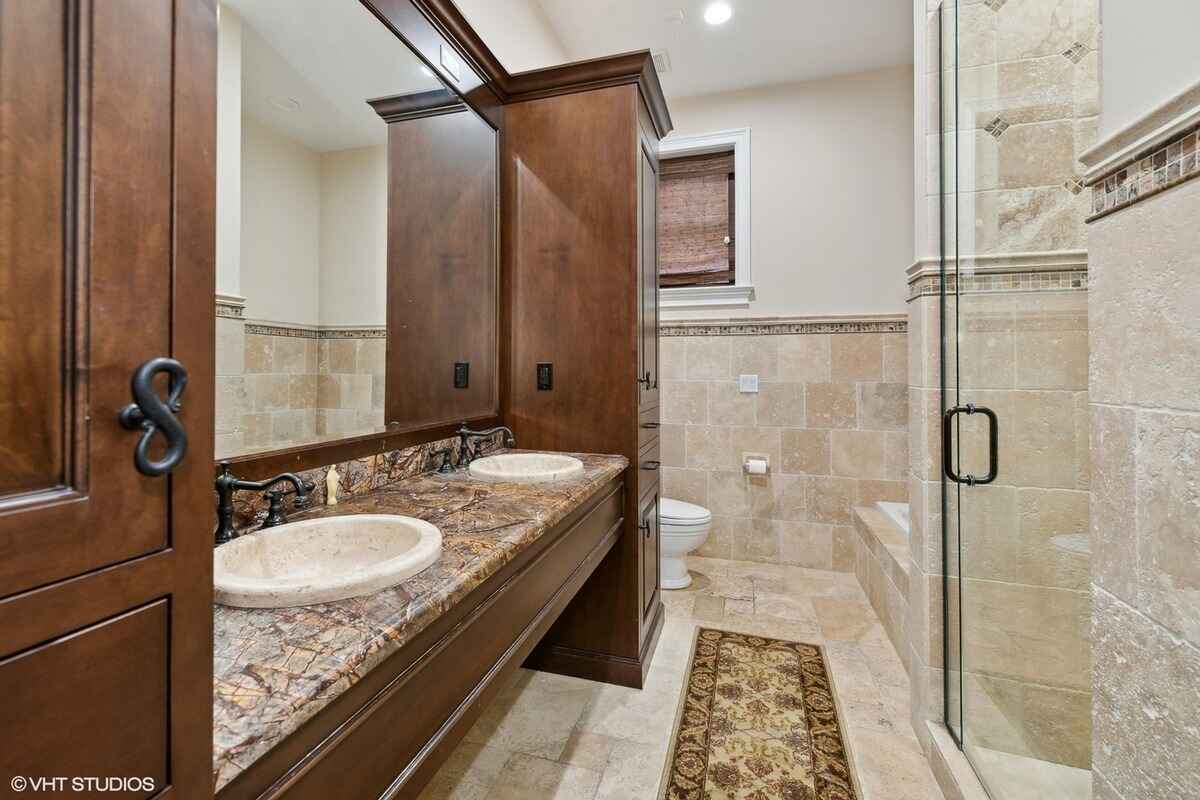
(527, 467)
(322, 560)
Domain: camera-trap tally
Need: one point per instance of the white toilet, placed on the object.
(683, 527)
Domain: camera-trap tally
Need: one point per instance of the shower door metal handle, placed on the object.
(993, 444)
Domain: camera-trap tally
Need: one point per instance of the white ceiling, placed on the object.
(766, 42)
(331, 57)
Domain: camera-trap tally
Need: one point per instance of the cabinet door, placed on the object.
(648, 283)
(107, 129)
(648, 524)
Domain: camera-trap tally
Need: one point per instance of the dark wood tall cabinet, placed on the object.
(107, 130)
(579, 182)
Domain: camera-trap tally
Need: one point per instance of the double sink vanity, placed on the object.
(358, 640)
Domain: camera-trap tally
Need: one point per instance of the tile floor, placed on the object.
(549, 736)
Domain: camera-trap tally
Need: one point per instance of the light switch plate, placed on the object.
(451, 63)
(748, 384)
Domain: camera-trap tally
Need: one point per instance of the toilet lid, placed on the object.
(677, 511)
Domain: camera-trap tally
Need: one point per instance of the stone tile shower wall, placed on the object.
(831, 414)
(1027, 98)
(1145, 424)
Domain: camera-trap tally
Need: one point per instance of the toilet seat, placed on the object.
(678, 514)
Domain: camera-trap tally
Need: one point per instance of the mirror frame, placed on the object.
(428, 30)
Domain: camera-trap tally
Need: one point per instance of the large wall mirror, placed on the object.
(356, 233)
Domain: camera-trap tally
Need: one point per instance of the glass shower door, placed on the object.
(1021, 105)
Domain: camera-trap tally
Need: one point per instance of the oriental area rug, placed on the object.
(757, 721)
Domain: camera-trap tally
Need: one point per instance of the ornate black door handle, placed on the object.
(151, 414)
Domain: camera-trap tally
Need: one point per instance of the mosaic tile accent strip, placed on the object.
(299, 332)
(780, 327)
(1156, 171)
(995, 283)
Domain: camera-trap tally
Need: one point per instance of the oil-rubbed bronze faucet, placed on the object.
(226, 484)
(466, 455)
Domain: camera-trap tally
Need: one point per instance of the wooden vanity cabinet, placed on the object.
(107, 117)
(579, 174)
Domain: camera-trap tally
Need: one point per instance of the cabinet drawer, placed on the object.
(649, 467)
(648, 426)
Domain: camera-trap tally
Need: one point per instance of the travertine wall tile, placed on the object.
(799, 513)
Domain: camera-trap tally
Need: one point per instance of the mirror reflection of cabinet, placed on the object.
(442, 261)
(356, 244)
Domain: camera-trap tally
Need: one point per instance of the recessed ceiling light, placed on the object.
(718, 13)
(285, 103)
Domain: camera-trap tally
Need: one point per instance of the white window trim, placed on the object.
(741, 292)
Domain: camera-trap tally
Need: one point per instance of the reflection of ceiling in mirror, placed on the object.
(330, 58)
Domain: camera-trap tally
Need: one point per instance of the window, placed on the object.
(704, 220)
(696, 212)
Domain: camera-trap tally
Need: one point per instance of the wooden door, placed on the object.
(107, 133)
(647, 282)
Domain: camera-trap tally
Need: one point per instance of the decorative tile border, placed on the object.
(1165, 167)
(782, 326)
(994, 283)
(300, 332)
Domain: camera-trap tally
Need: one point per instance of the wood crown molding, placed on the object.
(417, 105)
(579, 76)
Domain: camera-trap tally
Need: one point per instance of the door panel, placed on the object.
(648, 284)
(105, 685)
(649, 529)
(92, 259)
(32, 133)
(107, 173)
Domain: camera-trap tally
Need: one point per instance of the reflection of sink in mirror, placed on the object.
(318, 178)
(322, 560)
(527, 467)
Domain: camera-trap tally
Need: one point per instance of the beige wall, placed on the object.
(229, 152)
(281, 227)
(830, 413)
(517, 31)
(352, 284)
(831, 189)
(1146, 61)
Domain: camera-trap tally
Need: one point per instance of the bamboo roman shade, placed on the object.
(696, 220)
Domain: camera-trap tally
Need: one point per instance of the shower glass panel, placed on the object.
(1019, 102)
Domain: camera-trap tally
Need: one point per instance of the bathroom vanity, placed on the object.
(364, 697)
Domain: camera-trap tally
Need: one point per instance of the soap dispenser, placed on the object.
(331, 486)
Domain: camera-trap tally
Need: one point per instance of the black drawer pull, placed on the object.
(652, 425)
(651, 465)
(645, 528)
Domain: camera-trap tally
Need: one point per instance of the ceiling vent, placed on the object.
(662, 62)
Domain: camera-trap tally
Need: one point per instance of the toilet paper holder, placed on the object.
(756, 463)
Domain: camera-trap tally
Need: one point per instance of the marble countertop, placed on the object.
(274, 669)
